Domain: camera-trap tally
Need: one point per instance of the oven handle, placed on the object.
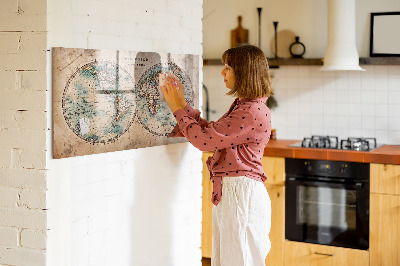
(357, 185)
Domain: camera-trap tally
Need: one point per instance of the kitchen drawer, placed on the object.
(305, 254)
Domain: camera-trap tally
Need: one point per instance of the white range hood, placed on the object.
(341, 51)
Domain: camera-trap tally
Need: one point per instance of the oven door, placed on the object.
(327, 213)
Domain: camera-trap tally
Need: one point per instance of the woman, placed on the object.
(242, 208)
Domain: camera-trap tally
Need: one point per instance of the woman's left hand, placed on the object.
(170, 90)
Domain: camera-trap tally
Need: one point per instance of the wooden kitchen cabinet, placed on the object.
(274, 168)
(305, 254)
(277, 233)
(206, 225)
(385, 178)
(384, 237)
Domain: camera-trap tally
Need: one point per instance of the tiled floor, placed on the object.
(206, 261)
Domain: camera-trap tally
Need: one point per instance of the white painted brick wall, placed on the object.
(23, 16)
(9, 42)
(23, 178)
(22, 256)
(33, 198)
(8, 197)
(9, 237)
(23, 100)
(31, 80)
(21, 139)
(5, 158)
(34, 239)
(23, 218)
(136, 207)
(32, 120)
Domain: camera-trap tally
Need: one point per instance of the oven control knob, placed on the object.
(308, 166)
(343, 168)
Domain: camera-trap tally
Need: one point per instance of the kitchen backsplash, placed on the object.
(314, 102)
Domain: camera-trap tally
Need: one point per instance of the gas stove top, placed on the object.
(332, 142)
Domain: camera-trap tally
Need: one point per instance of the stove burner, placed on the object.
(328, 142)
(358, 144)
(332, 142)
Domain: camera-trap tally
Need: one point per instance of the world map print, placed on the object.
(155, 115)
(99, 102)
(106, 100)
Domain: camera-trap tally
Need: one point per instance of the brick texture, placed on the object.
(92, 196)
(33, 199)
(23, 218)
(10, 42)
(7, 80)
(33, 239)
(9, 237)
(107, 195)
(17, 256)
(8, 197)
(23, 178)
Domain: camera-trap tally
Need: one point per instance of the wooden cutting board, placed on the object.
(239, 35)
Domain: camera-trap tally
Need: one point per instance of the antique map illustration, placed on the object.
(105, 100)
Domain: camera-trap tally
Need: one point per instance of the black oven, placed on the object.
(327, 202)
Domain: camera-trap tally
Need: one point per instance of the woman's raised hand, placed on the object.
(174, 93)
(181, 90)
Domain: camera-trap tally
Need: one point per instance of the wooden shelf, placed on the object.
(212, 62)
(273, 63)
(380, 61)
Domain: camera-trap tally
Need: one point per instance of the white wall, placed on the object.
(23, 133)
(311, 102)
(343, 104)
(135, 207)
(305, 18)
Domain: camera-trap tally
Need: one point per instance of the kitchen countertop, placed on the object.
(389, 154)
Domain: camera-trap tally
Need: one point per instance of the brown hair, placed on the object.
(250, 66)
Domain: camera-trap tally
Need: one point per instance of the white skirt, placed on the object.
(241, 223)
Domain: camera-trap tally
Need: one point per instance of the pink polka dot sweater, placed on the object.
(238, 139)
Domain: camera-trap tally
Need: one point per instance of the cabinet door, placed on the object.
(274, 168)
(206, 226)
(384, 230)
(385, 178)
(277, 233)
(304, 254)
